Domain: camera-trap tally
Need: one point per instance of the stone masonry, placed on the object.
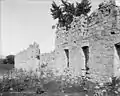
(69, 45)
(29, 58)
(104, 33)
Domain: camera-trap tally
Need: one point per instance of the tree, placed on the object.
(5, 61)
(9, 59)
(66, 11)
(82, 8)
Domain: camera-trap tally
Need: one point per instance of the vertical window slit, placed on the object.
(67, 55)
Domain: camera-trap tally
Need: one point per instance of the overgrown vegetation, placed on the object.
(40, 81)
(51, 81)
(66, 11)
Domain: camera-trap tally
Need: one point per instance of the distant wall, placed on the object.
(48, 59)
(28, 58)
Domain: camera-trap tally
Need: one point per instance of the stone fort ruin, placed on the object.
(92, 42)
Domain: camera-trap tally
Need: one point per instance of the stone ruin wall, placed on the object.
(100, 32)
(104, 32)
(28, 59)
(47, 60)
(72, 41)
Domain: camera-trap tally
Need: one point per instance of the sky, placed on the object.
(26, 21)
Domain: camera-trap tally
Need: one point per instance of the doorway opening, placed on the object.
(67, 55)
(117, 46)
(86, 54)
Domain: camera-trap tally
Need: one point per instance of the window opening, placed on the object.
(67, 55)
(86, 54)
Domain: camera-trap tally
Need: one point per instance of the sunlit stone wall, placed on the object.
(72, 40)
(47, 60)
(29, 58)
(104, 32)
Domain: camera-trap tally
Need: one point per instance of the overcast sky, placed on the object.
(26, 21)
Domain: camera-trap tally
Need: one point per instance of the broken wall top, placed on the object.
(104, 23)
(32, 48)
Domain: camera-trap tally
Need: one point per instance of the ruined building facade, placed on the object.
(68, 44)
(92, 43)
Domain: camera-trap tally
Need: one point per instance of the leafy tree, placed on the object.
(9, 59)
(5, 61)
(82, 8)
(66, 11)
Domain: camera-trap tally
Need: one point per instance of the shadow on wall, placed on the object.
(5, 67)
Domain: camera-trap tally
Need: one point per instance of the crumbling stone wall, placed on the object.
(71, 40)
(61, 60)
(103, 33)
(28, 59)
(47, 60)
(98, 33)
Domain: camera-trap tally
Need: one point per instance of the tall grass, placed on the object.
(40, 80)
